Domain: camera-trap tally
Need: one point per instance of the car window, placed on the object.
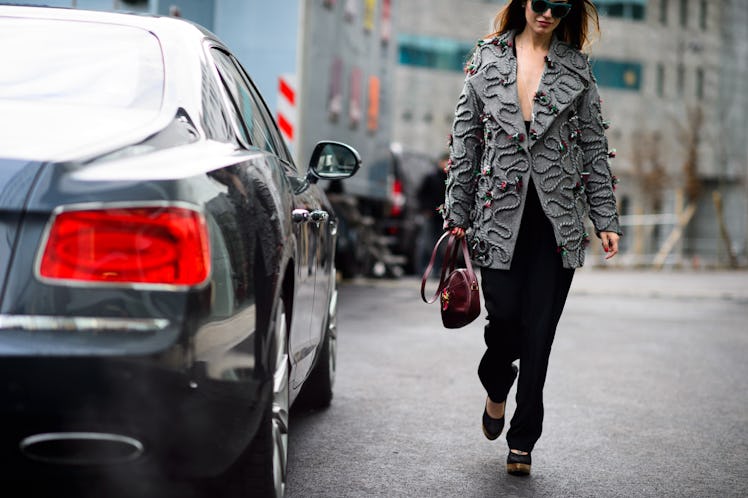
(270, 124)
(258, 133)
(215, 115)
(80, 63)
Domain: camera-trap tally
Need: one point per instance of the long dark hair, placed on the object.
(573, 29)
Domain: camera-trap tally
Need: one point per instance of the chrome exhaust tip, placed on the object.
(81, 448)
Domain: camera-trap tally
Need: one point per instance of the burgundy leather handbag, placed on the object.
(458, 290)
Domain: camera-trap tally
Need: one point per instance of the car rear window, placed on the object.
(80, 63)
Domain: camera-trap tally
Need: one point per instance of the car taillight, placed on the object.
(138, 245)
(398, 199)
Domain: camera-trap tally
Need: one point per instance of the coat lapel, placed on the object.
(500, 80)
(566, 75)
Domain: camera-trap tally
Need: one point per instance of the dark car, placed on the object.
(168, 271)
(405, 218)
(382, 226)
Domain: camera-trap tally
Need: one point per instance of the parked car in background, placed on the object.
(407, 218)
(381, 235)
(168, 272)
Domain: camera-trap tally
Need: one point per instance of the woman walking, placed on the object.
(528, 163)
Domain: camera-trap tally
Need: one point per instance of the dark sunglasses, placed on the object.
(558, 10)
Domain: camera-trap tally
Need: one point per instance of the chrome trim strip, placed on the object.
(82, 324)
(26, 446)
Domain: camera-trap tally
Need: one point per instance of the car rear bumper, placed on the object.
(164, 422)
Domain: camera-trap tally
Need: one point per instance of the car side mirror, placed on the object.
(333, 161)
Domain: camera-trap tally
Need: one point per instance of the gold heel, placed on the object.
(518, 469)
(518, 465)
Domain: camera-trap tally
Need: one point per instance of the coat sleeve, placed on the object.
(600, 182)
(466, 145)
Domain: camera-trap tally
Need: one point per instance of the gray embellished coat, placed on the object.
(491, 158)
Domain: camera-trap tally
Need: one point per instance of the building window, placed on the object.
(663, 11)
(660, 83)
(681, 79)
(684, 13)
(700, 84)
(626, 9)
(703, 10)
(622, 75)
(434, 53)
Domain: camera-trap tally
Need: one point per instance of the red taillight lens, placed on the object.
(398, 199)
(144, 245)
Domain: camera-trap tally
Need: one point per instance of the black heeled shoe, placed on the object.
(492, 427)
(518, 465)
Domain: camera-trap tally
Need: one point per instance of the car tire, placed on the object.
(261, 470)
(317, 392)
(268, 458)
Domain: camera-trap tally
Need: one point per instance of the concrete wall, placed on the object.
(343, 51)
(733, 112)
(425, 98)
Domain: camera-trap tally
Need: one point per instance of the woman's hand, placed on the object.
(610, 243)
(458, 232)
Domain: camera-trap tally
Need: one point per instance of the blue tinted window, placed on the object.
(627, 9)
(434, 53)
(617, 74)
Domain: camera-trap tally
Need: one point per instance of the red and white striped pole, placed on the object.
(287, 111)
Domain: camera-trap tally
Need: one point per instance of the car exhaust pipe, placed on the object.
(81, 448)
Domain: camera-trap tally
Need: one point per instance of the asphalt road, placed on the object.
(647, 395)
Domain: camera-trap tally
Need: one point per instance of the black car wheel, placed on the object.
(280, 404)
(318, 388)
(269, 453)
(260, 471)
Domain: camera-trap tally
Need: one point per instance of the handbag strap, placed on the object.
(450, 258)
(430, 267)
(452, 261)
(468, 263)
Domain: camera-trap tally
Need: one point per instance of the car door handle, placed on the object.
(319, 216)
(300, 216)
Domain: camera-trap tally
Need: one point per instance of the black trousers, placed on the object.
(524, 305)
